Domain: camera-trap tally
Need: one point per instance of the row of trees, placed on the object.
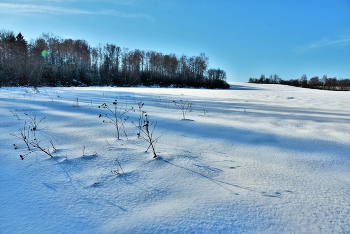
(313, 83)
(50, 60)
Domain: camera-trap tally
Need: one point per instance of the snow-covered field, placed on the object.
(252, 159)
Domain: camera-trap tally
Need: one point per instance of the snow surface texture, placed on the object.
(252, 159)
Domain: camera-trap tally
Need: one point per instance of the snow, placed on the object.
(252, 159)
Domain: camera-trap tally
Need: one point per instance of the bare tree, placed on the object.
(314, 82)
(303, 81)
(324, 80)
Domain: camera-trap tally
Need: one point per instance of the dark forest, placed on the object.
(315, 82)
(52, 61)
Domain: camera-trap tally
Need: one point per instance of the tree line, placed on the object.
(313, 83)
(52, 61)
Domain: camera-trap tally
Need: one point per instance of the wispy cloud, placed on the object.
(121, 2)
(11, 8)
(324, 43)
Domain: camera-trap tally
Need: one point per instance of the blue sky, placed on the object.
(246, 38)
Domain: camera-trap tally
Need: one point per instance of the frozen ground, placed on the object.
(253, 159)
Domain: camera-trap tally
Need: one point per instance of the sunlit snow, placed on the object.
(252, 159)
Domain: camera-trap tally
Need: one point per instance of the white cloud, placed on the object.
(122, 2)
(11, 8)
(324, 43)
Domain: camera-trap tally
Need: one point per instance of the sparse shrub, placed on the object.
(157, 100)
(184, 106)
(14, 114)
(140, 118)
(76, 103)
(204, 111)
(84, 151)
(23, 135)
(117, 117)
(118, 170)
(28, 135)
(51, 98)
(34, 122)
(146, 133)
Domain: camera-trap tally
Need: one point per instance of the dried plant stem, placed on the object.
(184, 106)
(28, 134)
(147, 134)
(14, 114)
(117, 117)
